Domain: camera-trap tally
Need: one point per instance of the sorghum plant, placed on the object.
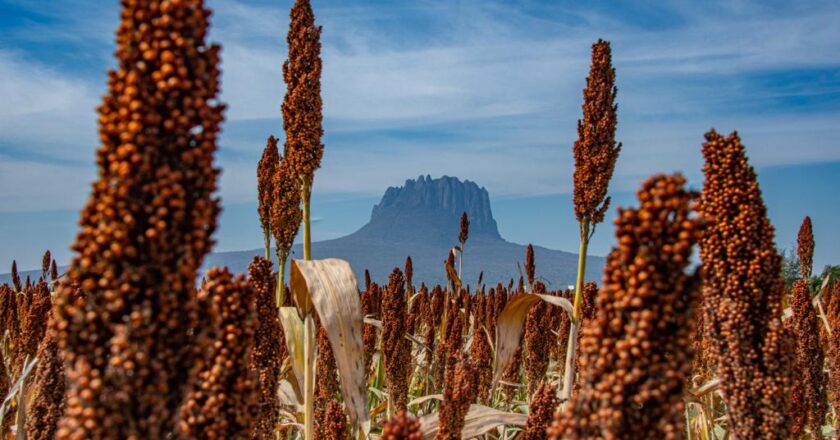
(464, 229)
(805, 248)
(396, 349)
(595, 150)
(33, 325)
(595, 153)
(530, 267)
(370, 307)
(540, 411)
(797, 412)
(326, 387)
(636, 353)
(9, 322)
(45, 264)
(458, 394)
(15, 277)
(266, 169)
(302, 116)
(833, 352)
(537, 342)
(810, 357)
(269, 348)
(145, 229)
(334, 422)
(303, 150)
(48, 398)
(286, 216)
(401, 427)
(409, 274)
(482, 357)
(743, 292)
(223, 399)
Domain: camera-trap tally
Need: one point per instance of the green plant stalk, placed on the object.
(267, 238)
(281, 278)
(584, 244)
(309, 326)
(571, 347)
(307, 233)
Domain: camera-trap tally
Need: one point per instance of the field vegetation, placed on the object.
(697, 330)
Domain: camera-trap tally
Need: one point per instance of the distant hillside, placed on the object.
(421, 219)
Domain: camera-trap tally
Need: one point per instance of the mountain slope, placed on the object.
(421, 219)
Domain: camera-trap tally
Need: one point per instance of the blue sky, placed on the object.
(485, 90)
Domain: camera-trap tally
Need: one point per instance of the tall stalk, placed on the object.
(309, 323)
(306, 193)
(571, 347)
(302, 122)
(595, 153)
(462, 239)
(281, 277)
(584, 245)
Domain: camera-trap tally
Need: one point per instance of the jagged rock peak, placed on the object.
(447, 194)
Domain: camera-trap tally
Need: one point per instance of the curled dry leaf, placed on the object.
(374, 322)
(330, 287)
(510, 325)
(293, 330)
(425, 398)
(288, 397)
(479, 419)
(558, 301)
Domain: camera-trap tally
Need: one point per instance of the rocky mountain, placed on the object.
(421, 219)
(427, 207)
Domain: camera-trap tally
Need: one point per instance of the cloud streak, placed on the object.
(485, 90)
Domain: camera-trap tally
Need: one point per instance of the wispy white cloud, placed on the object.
(44, 111)
(486, 90)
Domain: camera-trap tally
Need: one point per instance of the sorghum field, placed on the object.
(692, 333)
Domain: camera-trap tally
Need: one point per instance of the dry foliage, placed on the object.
(125, 346)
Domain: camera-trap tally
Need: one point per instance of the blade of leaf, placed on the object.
(425, 398)
(509, 328)
(288, 397)
(331, 287)
(479, 419)
(293, 330)
(511, 324)
(558, 301)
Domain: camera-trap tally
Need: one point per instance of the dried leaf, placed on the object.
(373, 321)
(288, 396)
(558, 301)
(511, 324)
(332, 289)
(712, 385)
(293, 330)
(479, 419)
(425, 398)
(28, 367)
